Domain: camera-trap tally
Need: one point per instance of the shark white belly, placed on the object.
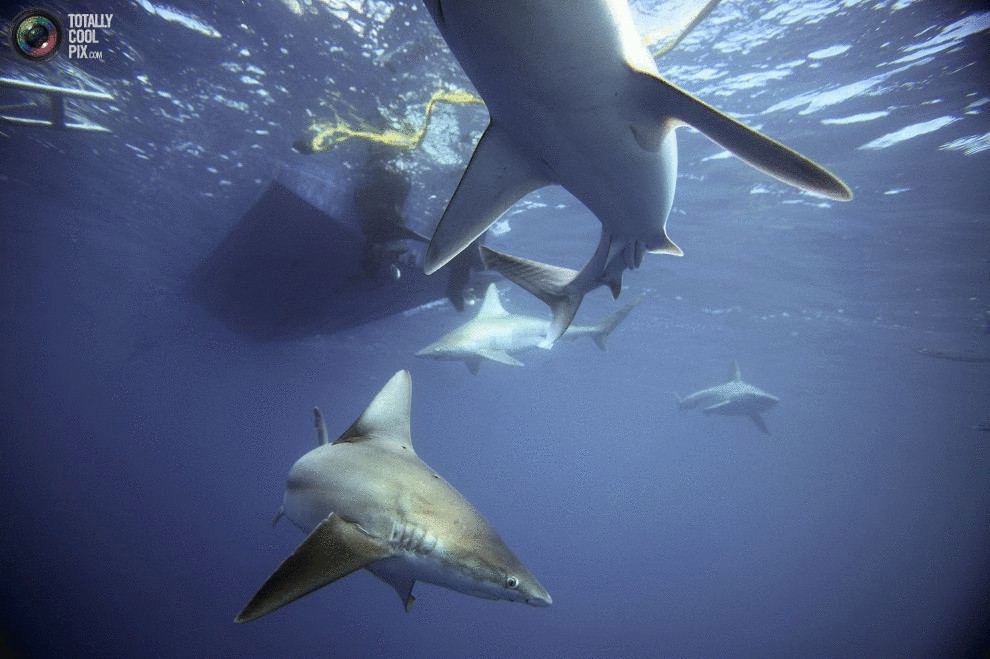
(575, 98)
(567, 109)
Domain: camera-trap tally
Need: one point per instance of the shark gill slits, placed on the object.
(429, 544)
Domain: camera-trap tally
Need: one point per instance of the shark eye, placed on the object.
(511, 582)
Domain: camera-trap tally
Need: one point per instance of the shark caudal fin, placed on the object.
(607, 326)
(497, 177)
(666, 102)
(333, 550)
(550, 283)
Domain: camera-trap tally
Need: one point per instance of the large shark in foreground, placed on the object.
(368, 501)
(575, 98)
(732, 398)
(496, 335)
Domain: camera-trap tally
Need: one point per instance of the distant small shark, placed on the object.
(368, 501)
(575, 98)
(496, 335)
(732, 398)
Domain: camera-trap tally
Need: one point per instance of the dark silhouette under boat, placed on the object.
(289, 269)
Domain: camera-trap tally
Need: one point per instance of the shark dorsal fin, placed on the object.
(491, 306)
(734, 374)
(386, 418)
(321, 427)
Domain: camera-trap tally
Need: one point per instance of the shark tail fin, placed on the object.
(667, 102)
(333, 550)
(607, 326)
(547, 282)
(680, 401)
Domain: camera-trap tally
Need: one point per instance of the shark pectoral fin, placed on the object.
(473, 365)
(500, 356)
(547, 282)
(497, 177)
(333, 550)
(760, 423)
(717, 408)
(665, 101)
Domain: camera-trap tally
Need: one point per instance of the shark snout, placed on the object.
(542, 601)
(429, 351)
(536, 595)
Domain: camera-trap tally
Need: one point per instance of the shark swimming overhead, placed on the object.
(732, 398)
(496, 335)
(575, 99)
(368, 501)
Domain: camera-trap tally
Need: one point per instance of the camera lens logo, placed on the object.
(36, 35)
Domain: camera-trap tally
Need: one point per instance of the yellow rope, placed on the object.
(327, 135)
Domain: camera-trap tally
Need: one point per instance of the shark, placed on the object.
(496, 335)
(575, 98)
(732, 398)
(368, 501)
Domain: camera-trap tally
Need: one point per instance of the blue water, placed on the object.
(145, 445)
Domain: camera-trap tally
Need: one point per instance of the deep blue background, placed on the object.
(145, 447)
